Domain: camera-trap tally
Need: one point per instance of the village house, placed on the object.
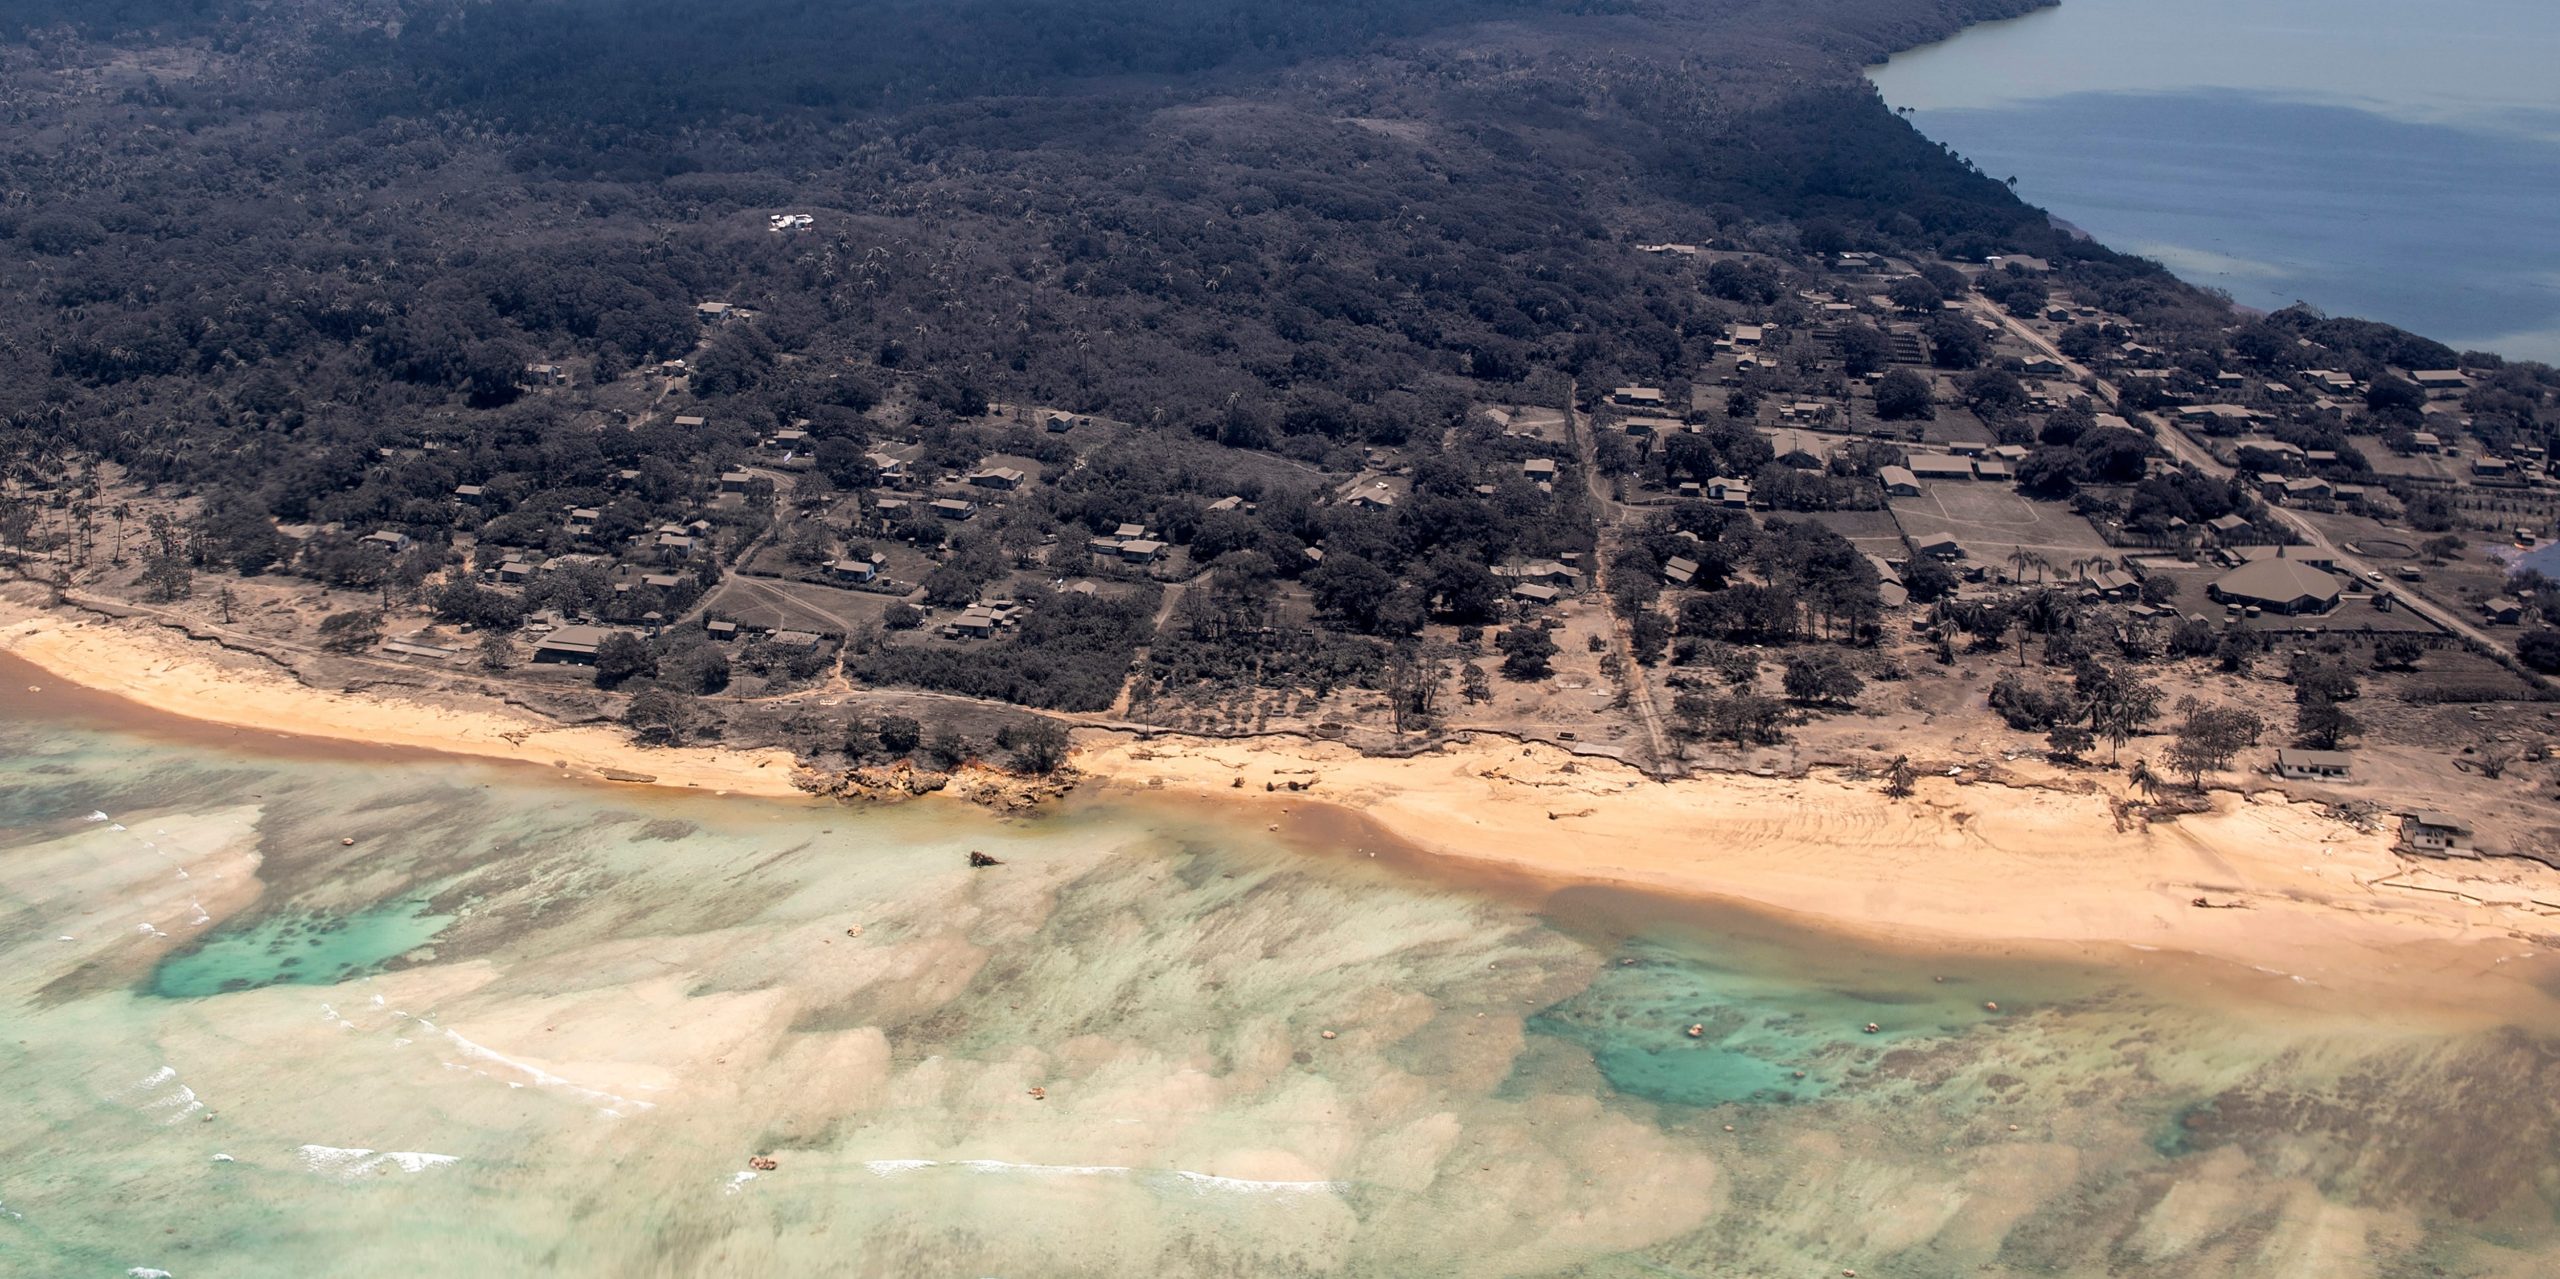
(1547, 572)
(952, 508)
(2434, 832)
(1899, 481)
(1930, 466)
(387, 539)
(2302, 765)
(572, 645)
(857, 571)
(1003, 478)
(470, 494)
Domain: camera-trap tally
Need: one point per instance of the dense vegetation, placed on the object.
(289, 263)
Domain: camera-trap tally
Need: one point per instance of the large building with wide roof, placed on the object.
(2283, 586)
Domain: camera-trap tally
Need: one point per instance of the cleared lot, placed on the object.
(1994, 522)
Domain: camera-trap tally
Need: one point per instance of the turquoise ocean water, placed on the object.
(542, 1028)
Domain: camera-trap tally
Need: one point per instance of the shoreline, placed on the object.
(2302, 898)
(160, 672)
(2303, 904)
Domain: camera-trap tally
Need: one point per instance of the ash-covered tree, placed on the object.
(1039, 746)
(1413, 676)
(1902, 396)
(662, 716)
(623, 657)
(900, 734)
(1821, 676)
(2209, 737)
(1527, 651)
(2321, 724)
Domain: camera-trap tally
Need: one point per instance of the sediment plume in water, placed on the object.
(545, 1028)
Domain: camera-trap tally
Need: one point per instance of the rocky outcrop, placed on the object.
(896, 783)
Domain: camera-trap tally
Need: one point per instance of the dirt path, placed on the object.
(1621, 635)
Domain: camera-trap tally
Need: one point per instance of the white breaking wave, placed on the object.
(1197, 1182)
(146, 1272)
(177, 1097)
(739, 1181)
(1203, 1181)
(348, 1163)
(97, 817)
(537, 1074)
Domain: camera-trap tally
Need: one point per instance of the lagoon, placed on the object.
(2380, 158)
(558, 1021)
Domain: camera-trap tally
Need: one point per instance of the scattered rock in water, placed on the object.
(980, 859)
(763, 1163)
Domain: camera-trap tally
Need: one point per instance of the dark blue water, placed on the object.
(2382, 158)
(2446, 230)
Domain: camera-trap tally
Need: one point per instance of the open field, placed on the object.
(1994, 522)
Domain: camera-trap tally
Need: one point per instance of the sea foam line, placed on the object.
(1198, 1182)
(348, 1163)
(537, 1073)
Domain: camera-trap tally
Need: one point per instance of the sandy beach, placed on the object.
(165, 672)
(2298, 896)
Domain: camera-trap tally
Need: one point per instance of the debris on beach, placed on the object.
(980, 859)
(1039, 1094)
